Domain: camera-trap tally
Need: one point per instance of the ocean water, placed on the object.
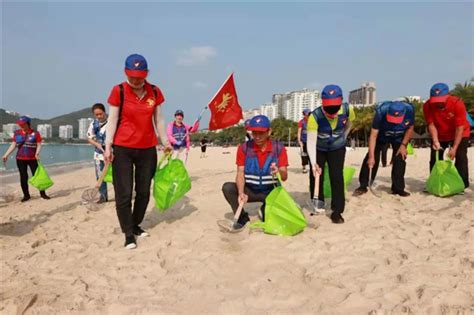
(53, 154)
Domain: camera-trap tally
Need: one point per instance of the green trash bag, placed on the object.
(171, 183)
(410, 149)
(444, 179)
(348, 173)
(41, 179)
(283, 216)
(109, 176)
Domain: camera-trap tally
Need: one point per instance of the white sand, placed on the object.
(393, 254)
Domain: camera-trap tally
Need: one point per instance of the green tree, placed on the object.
(466, 93)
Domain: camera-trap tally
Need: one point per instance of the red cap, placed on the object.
(136, 73)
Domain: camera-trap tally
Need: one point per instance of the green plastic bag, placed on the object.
(41, 179)
(109, 176)
(283, 216)
(444, 179)
(171, 183)
(410, 149)
(348, 173)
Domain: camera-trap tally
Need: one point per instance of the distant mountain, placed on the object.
(8, 117)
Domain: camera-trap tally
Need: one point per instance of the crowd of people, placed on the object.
(126, 138)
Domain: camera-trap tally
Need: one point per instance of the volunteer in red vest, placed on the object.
(96, 137)
(178, 135)
(445, 116)
(258, 162)
(28, 143)
(328, 127)
(131, 142)
(302, 136)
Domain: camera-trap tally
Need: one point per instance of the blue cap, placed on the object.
(258, 123)
(23, 120)
(332, 95)
(179, 112)
(396, 112)
(306, 111)
(136, 66)
(439, 93)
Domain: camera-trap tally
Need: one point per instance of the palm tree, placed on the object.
(466, 93)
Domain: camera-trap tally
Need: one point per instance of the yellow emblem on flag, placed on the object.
(225, 102)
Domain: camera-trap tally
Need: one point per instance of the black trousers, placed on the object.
(461, 162)
(335, 160)
(23, 169)
(398, 167)
(231, 194)
(304, 156)
(384, 153)
(128, 161)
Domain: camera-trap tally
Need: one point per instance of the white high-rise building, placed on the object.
(9, 129)
(45, 130)
(270, 110)
(293, 106)
(84, 124)
(66, 131)
(250, 113)
(364, 96)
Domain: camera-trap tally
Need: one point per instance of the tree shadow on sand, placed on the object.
(181, 209)
(23, 227)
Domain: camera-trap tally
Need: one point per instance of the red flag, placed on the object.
(225, 108)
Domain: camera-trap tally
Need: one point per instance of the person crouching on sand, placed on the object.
(258, 162)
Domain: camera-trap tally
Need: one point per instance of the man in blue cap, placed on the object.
(302, 137)
(446, 118)
(392, 125)
(258, 162)
(328, 127)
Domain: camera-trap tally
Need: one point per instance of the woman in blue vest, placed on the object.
(393, 125)
(258, 162)
(28, 144)
(96, 137)
(302, 136)
(178, 135)
(328, 127)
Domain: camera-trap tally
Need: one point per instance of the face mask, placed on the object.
(136, 86)
(331, 111)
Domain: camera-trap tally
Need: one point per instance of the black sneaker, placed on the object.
(25, 198)
(337, 218)
(138, 231)
(130, 242)
(360, 191)
(102, 199)
(401, 193)
(45, 197)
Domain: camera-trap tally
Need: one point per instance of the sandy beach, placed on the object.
(393, 255)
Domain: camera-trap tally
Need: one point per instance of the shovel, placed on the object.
(316, 206)
(232, 226)
(371, 185)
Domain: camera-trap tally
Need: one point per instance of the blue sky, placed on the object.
(59, 57)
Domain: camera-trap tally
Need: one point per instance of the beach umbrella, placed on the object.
(41, 179)
(444, 179)
(283, 216)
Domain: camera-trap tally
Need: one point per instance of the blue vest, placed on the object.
(389, 132)
(99, 136)
(329, 139)
(304, 131)
(256, 178)
(179, 133)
